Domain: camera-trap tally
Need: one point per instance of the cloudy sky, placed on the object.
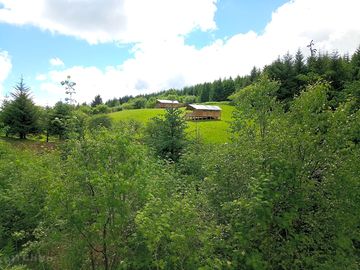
(121, 47)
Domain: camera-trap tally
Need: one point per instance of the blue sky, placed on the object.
(119, 47)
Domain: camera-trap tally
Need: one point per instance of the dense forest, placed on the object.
(284, 193)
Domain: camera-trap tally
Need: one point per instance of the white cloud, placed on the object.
(112, 20)
(56, 62)
(5, 68)
(90, 81)
(332, 24)
(41, 77)
(161, 59)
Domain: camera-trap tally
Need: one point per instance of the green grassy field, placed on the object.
(211, 131)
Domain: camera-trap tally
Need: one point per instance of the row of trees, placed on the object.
(20, 116)
(283, 194)
(294, 73)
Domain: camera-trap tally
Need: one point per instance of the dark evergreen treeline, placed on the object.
(218, 90)
(293, 72)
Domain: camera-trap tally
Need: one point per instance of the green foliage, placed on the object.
(85, 109)
(139, 103)
(24, 183)
(167, 135)
(280, 194)
(190, 99)
(113, 102)
(128, 106)
(205, 93)
(150, 103)
(97, 101)
(283, 70)
(172, 95)
(77, 124)
(256, 104)
(217, 91)
(58, 119)
(95, 199)
(117, 109)
(176, 232)
(355, 65)
(283, 193)
(99, 121)
(20, 114)
(100, 109)
(352, 92)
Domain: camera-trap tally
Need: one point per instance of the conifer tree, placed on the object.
(20, 114)
(205, 92)
(97, 101)
(217, 88)
(355, 65)
(299, 65)
(166, 135)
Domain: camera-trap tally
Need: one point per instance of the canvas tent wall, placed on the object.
(163, 103)
(202, 112)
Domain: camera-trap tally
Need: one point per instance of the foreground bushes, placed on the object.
(283, 195)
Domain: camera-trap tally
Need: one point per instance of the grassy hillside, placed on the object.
(30, 144)
(213, 131)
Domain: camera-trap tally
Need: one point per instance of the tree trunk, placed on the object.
(93, 267)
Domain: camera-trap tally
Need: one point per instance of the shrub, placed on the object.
(98, 121)
(128, 106)
(102, 108)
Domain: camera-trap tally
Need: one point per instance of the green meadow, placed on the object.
(210, 131)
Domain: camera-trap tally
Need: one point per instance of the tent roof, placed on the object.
(205, 107)
(168, 101)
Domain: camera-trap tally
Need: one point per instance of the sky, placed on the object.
(129, 47)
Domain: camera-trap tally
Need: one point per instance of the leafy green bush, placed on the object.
(100, 109)
(117, 108)
(128, 106)
(99, 121)
(167, 135)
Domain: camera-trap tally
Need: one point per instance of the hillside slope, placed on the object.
(211, 131)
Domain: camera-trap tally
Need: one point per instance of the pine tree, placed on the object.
(217, 88)
(21, 114)
(283, 70)
(167, 135)
(97, 101)
(205, 92)
(300, 70)
(355, 65)
(228, 88)
(299, 65)
(254, 74)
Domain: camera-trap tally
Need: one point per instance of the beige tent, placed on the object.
(202, 112)
(163, 103)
